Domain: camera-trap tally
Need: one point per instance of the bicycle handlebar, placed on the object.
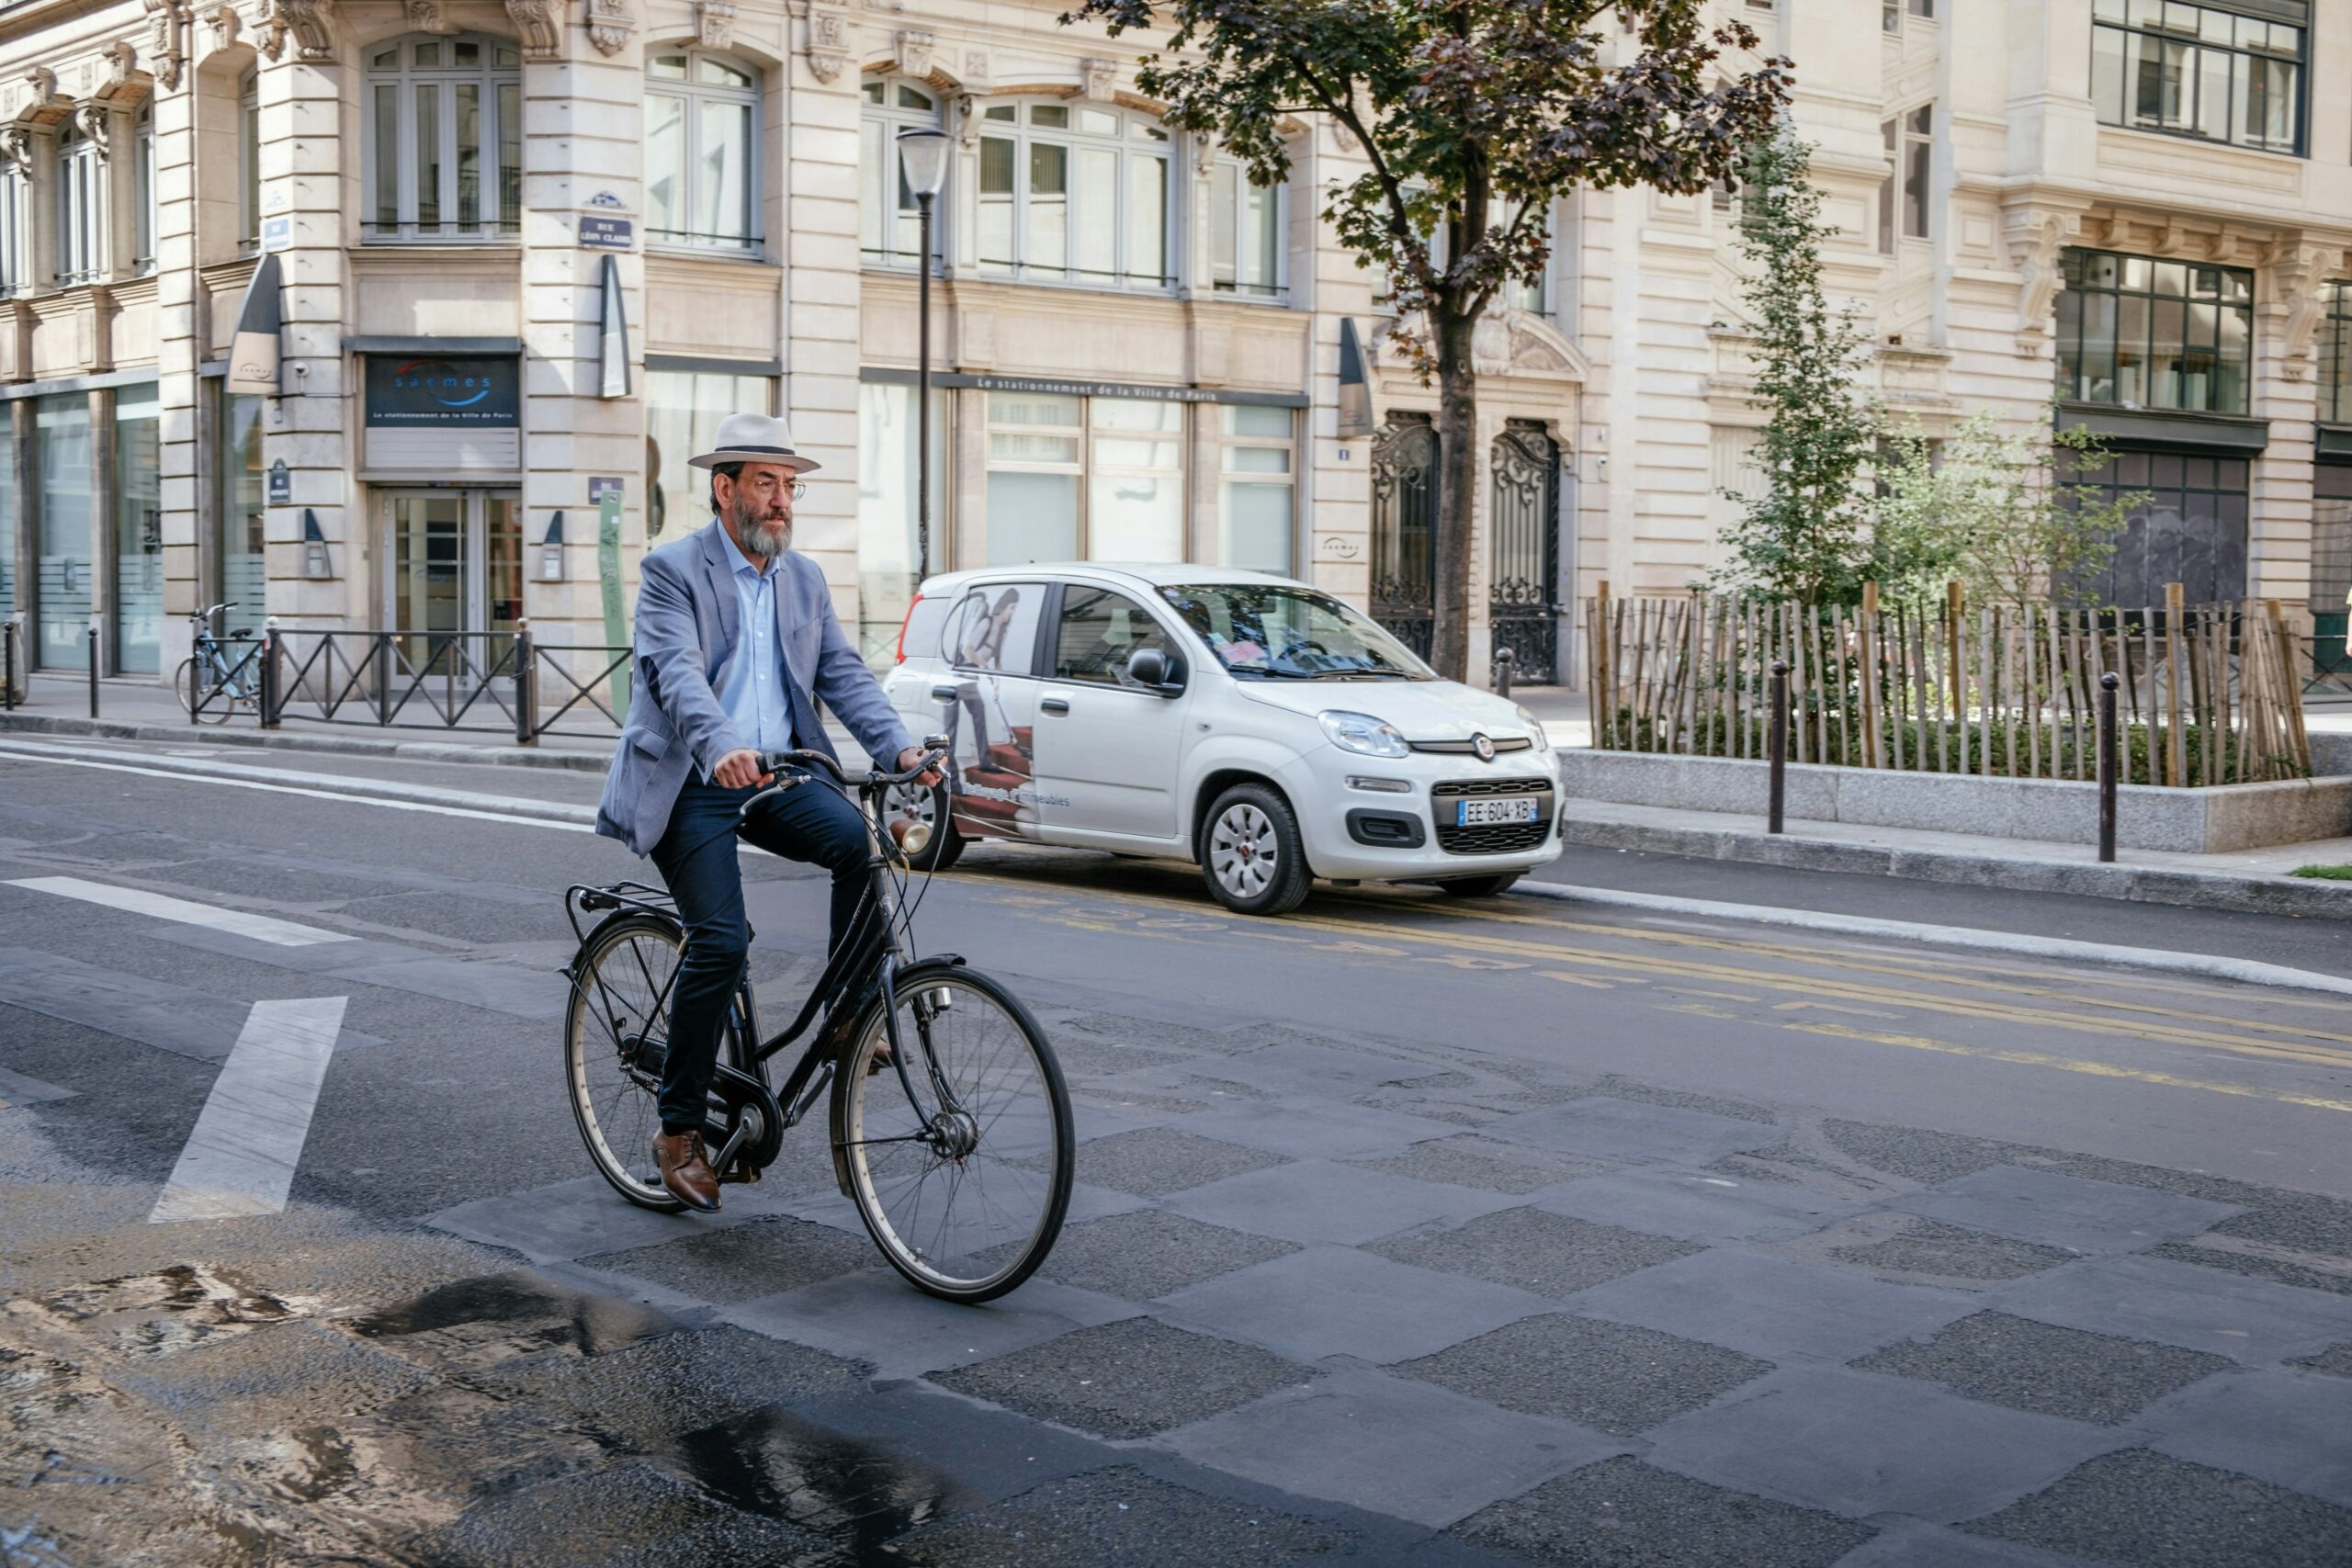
(817, 762)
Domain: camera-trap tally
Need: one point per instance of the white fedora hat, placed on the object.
(753, 438)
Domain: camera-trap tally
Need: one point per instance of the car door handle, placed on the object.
(1053, 705)
(943, 694)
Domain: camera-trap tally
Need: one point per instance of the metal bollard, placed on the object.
(2107, 765)
(271, 674)
(94, 669)
(1502, 671)
(1776, 742)
(8, 664)
(526, 688)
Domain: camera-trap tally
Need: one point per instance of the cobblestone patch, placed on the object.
(1120, 1518)
(2335, 1359)
(2025, 1364)
(650, 1391)
(1128, 1379)
(1150, 1252)
(1622, 1513)
(580, 1517)
(1152, 1162)
(1618, 1088)
(2146, 1510)
(1536, 1250)
(756, 1258)
(1085, 1055)
(1932, 1249)
(1621, 1379)
(2259, 1266)
(1489, 1164)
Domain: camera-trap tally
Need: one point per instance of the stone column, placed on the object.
(1334, 488)
(178, 353)
(819, 248)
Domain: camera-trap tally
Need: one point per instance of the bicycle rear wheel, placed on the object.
(199, 694)
(615, 1038)
(965, 1203)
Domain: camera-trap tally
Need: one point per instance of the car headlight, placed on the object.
(1535, 729)
(1362, 733)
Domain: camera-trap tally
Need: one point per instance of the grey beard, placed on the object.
(764, 541)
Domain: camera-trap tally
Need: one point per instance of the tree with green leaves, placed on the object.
(1473, 116)
(1806, 536)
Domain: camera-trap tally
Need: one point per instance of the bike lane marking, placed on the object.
(162, 906)
(240, 1159)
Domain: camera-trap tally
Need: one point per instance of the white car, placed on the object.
(1250, 724)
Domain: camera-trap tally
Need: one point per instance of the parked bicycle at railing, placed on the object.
(217, 681)
(950, 1124)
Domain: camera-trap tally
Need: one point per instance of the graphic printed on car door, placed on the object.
(1108, 746)
(988, 709)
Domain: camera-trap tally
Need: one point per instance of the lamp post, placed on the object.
(922, 157)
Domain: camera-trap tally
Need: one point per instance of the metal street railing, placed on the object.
(471, 681)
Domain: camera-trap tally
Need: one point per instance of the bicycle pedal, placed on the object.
(742, 1174)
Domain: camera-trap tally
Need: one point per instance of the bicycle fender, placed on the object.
(837, 1112)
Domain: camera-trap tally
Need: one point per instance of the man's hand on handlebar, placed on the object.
(914, 757)
(739, 770)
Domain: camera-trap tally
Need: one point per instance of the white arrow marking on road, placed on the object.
(261, 928)
(240, 1159)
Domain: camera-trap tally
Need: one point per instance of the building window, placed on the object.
(1092, 479)
(64, 527)
(683, 409)
(143, 152)
(15, 190)
(2190, 530)
(1247, 224)
(702, 118)
(2198, 70)
(138, 531)
(2159, 334)
(1903, 204)
(248, 163)
(1074, 194)
(1257, 501)
(2336, 356)
(240, 561)
(2331, 555)
(1519, 294)
(1891, 13)
(444, 155)
(890, 220)
(80, 205)
(886, 480)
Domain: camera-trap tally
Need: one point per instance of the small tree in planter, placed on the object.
(1474, 115)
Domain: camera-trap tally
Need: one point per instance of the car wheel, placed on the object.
(1251, 853)
(926, 805)
(1478, 887)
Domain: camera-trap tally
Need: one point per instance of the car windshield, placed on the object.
(1272, 632)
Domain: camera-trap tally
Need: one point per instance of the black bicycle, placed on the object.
(950, 1123)
(215, 682)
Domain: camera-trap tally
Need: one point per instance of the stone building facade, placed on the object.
(530, 252)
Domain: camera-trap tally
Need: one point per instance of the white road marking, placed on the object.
(162, 906)
(240, 1159)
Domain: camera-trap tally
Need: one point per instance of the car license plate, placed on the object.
(1502, 808)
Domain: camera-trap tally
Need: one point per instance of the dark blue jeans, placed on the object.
(697, 857)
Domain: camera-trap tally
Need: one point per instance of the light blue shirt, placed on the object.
(759, 713)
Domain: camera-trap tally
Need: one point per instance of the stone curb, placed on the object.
(346, 745)
(2144, 885)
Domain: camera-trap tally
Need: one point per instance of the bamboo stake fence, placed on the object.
(2210, 694)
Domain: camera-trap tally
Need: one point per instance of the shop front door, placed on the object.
(455, 582)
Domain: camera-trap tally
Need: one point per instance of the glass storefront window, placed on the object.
(2336, 356)
(62, 466)
(2141, 333)
(1135, 487)
(886, 480)
(238, 544)
(1255, 504)
(683, 409)
(1037, 443)
(138, 531)
(2191, 530)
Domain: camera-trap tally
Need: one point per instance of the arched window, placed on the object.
(702, 117)
(889, 222)
(249, 162)
(1247, 233)
(1073, 193)
(444, 126)
(81, 199)
(143, 174)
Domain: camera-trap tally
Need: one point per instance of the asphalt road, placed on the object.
(1408, 1229)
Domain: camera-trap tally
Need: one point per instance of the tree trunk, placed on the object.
(1457, 478)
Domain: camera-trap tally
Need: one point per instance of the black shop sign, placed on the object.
(413, 392)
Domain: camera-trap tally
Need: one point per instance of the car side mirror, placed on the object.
(1148, 666)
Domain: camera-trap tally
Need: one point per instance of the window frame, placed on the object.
(1513, 294)
(2194, 75)
(1228, 441)
(1086, 470)
(1275, 291)
(16, 230)
(146, 219)
(697, 238)
(494, 82)
(78, 206)
(886, 118)
(249, 162)
(2335, 354)
(1138, 138)
(1905, 143)
(2071, 335)
(1895, 15)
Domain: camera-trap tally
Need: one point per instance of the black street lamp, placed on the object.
(922, 157)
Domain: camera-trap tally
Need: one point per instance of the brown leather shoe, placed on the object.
(685, 1172)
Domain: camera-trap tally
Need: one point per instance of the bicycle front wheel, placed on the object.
(965, 1197)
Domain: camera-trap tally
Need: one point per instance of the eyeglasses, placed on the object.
(799, 488)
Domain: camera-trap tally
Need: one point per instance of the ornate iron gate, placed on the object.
(1404, 529)
(1523, 598)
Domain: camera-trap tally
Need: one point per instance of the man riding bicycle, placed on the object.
(736, 644)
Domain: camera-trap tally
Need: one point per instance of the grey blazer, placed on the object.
(686, 625)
